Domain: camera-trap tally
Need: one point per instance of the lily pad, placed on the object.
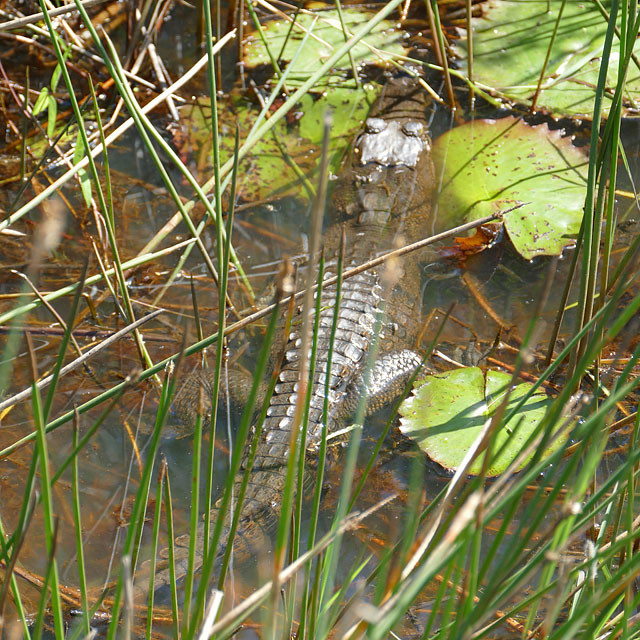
(284, 41)
(447, 412)
(288, 155)
(348, 107)
(510, 43)
(491, 165)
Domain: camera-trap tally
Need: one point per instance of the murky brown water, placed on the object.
(495, 286)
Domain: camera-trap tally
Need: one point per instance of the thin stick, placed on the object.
(83, 358)
(534, 100)
(99, 148)
(49, 307)
(37, 17)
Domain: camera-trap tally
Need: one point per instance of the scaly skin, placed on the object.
(383, 198)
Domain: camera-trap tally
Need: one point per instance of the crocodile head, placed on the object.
(389, 173)
(392, 142)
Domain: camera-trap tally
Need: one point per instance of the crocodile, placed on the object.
(382, 197)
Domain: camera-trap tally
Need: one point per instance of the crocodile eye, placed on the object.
(375, 125)
(412, 128)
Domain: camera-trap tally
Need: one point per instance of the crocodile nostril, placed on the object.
(375, 125)
(412, 128)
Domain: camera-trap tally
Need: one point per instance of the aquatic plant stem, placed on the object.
(195, 513)
(591, 232)
(296, 442)
(154, 546)
(234, 467)
(322, 454)
(222, 249)
(256, 23)
(50, 527)
(78, 532)
(308, 367)
(140, 503)
(439, 36)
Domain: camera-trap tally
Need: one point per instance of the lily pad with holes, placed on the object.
(511, 39)
(447, 412)
(491, 165)
(283, 40)
(283, 162)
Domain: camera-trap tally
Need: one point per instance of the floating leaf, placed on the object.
(288, 154)
(510, 43)
(348, 108)
(492, 165)
(326, 36)
(447, 412)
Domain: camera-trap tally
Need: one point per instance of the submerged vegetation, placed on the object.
(125, 259)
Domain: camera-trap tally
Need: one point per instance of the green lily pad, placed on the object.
(288, 155)
(492, 165)
(326, 36)
(276, 163)
(447, 412)
(510, 43)
(348, 107)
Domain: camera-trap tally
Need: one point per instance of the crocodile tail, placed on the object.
(258, 520)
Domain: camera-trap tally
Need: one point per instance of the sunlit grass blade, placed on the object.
(86, 622)
(50, 526)
(154, 545)
(131, 544)
(224, 252)
(241, 439)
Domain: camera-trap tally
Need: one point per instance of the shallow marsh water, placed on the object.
(109, 465)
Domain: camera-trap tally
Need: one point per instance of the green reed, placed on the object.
(162, 480)
(499, 555)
